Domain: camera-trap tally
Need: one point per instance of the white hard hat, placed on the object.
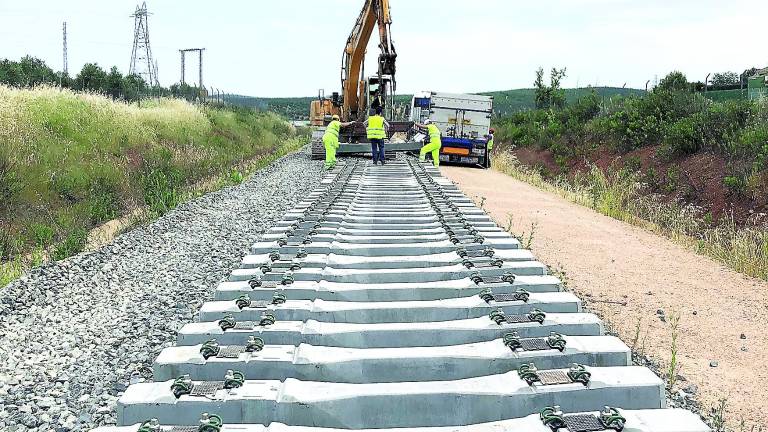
(427, 121)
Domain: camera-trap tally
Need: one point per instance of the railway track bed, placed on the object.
(386, 299)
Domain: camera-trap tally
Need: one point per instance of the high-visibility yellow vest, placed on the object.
(333, 129)
(434, 134)
(490, 143)
(375, 128)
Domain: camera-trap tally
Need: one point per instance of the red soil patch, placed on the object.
(696, 179)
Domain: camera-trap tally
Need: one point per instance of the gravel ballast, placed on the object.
(77, 332)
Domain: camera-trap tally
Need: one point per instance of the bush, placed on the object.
(104, 194)
(41, 234)
(734, 183)
(674, 81)
(235, 176)
(752, 143)
(161, 182)
(72, 244)
(684, 137)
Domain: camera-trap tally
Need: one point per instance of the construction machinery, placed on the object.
(358, 93)
(464, 121)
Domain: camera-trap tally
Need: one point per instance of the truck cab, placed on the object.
(464, 121)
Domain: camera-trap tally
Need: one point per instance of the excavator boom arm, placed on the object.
(375, 12)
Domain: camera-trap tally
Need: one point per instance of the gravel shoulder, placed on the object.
(636, 281)
(77, 332)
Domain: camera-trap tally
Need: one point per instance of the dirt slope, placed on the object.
(628, 275)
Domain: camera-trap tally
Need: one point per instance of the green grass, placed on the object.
(618, 195)
(71, 161)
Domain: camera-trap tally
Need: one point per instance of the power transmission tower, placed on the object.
(142, 63)
(66, 63)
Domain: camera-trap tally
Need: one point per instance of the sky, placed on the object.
(293, 47)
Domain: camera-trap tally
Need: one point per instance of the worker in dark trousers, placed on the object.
(489, 148)
(376, 129)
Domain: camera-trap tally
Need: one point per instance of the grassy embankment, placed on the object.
(667, 127)
(70, 162)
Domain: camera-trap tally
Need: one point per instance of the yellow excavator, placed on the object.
(358, 94)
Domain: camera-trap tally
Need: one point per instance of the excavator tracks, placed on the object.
(388, 300)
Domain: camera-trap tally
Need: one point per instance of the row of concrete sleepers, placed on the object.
(386, 300)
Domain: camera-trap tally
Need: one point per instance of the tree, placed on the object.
(675, 81)
(133, 87)
(552, 96)
(557, 94)
(541, 95)
(725, 79)
(114, 83)
(11, 73)
(35, 72)
(91, 78)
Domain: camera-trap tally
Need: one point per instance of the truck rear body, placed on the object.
(464, 121)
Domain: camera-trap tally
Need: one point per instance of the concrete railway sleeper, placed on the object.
(387, 299)
(246, 309)
(387, 275)
(320, 261)
(407, 404)
(654, 420)
(210, 361)
(304, 290)
(389, 335)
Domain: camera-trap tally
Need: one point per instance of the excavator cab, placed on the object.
(377, 92)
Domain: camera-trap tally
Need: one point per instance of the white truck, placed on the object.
(464, 121)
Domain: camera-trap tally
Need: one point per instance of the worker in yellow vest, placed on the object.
(376, 129)
(434, 144)
(331, 140)
(489, 148)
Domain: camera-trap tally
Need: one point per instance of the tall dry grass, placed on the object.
(620, 196)
(77, 160)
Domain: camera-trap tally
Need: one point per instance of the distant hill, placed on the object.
(505, 102)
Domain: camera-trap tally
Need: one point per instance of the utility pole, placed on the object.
(182, 52)
(65, 70)
(142, 63)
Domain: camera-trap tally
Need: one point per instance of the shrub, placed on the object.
(42, 235)
(161, 182)
(683, 137)
(752, 143)
(235, 176)
(734, 183)
(104, 194)
(674, 81)
(632, 164)
(72, 244)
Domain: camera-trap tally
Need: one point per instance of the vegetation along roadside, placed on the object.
(72, 161)
(671, 160)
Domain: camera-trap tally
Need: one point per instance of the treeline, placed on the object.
(32, 72)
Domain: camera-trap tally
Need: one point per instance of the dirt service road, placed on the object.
(635, 279)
